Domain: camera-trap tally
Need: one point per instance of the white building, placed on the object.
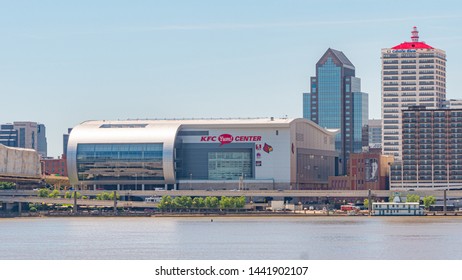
(413, 73)
(202, 154)
(397, 208)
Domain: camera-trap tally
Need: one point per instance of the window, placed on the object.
(229, 165)
(134, 162)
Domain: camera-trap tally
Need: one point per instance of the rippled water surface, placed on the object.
(232, 238)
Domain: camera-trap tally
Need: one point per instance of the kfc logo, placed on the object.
(225, 139)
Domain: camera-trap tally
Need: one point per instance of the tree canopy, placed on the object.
(412, 198)
(428, 201)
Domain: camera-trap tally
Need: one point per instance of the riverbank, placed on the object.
(212, 214)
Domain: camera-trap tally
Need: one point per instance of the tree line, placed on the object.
(209, 202)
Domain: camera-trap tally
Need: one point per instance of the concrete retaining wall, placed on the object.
(19, 162)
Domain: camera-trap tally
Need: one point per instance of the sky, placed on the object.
(65, 62)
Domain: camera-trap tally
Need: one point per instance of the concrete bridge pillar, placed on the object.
(115, 202)
(369, 197)
(444, 201)
(74, 208)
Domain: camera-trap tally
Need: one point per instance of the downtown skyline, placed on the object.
(63, 64)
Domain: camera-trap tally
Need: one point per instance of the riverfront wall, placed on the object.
(19, 162)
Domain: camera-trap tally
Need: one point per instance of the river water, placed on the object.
(234, 238)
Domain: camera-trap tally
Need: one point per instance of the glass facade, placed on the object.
(135, 162)
(307, 106)
(330, 97)
(338, 103)
(212, 162)
(229, 165)
(361, 114)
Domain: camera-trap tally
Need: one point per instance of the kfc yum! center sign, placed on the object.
(228, 138)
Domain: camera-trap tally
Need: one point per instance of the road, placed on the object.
(9, 196)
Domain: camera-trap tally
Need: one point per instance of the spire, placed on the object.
(415, 35)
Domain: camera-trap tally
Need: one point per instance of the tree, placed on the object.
(239, 202)
(43, 192)
(211, 202)
(226, 202)
(198, 202)
(166, 202)
(54, 194)
(412, 198)
(111, 196)
(7, 186)
(428, 201)
(69, 194)
(182, 202)
(366, 203)
(106, 196)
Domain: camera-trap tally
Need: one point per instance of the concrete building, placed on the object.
(374, 134)
(335, 101)
(453, 104)
(365, 171)
(432, 150)
(413, 73)
(201, 154)
(29, 135)
(19, 163)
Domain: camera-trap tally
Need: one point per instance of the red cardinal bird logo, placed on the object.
(267, 148)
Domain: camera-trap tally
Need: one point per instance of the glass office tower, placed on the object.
(336, 102)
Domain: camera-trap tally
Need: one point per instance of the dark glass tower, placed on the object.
(336, 102)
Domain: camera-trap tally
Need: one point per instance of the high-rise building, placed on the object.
(65, 141)
(8, 135)
(432, 149)
(42, 146)
(28, 135)
(413, 73)
(374, 129)
(335, 101)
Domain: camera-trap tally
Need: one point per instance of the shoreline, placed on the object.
(213, 215)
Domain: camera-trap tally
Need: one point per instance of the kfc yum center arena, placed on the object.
(265, 153)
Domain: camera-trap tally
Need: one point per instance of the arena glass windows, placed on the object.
(105, 162)
(229, 165)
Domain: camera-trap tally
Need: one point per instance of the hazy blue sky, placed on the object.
(64, 62)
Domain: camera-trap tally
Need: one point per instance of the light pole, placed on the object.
(136, 181)
(190, 181)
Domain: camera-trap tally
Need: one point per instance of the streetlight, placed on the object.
(190, 181)
(136, 181)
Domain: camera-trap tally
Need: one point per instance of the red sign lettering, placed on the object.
(228, 138)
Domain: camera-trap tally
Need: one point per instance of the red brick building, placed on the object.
(54, 166)
(365, 171)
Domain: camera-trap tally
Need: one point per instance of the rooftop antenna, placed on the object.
(415, 34)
